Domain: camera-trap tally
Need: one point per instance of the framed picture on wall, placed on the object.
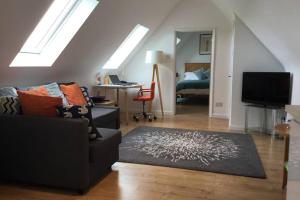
(205, 44)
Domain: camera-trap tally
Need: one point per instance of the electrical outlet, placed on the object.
(219, 104)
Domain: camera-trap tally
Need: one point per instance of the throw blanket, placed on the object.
(192, 84)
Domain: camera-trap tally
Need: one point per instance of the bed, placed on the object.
(193, 87)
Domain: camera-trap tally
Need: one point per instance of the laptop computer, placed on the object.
(116, 81)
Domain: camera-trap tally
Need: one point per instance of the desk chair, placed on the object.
(143, 98)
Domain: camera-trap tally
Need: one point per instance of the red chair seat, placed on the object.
(149, 91)
(143, 98)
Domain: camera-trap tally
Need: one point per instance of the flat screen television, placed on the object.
(266, 88)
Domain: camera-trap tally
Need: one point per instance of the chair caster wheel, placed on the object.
(150, 120)
(136, 118)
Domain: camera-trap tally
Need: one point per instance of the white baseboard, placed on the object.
(219, 115)
(157, 112)
(168, 113)
(242, 128)
(236, 127)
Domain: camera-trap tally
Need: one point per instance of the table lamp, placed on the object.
(155, 58)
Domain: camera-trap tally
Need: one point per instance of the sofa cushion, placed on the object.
(40, 90)
(8, 92)
(73, 94)
(101, 148)
(106, 117)
(53, 90)
(40, 105)
(9, 105)
(80, 112)
(87, 97)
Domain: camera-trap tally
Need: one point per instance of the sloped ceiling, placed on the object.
(276, 24)
(184, 37)
(95, 42)
(189, 15)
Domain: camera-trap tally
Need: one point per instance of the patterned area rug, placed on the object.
(228, 153)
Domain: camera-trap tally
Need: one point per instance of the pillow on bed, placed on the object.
(200, 74)
(206, 74)
(190, 76)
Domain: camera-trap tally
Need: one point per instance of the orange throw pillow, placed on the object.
(40, 105)
(37, 91)
(73, 94)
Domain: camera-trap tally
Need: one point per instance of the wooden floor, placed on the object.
(142, 182)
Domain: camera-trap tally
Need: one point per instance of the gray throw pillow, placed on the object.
(8, 92)
(54, 91)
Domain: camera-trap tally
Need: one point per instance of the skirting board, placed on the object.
(242, 128)
(169, 113)
(157, 112)
(236, 127)
(219, 115)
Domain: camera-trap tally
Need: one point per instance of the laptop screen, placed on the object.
(114, 79)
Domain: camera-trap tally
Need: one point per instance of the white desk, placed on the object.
(118, 88)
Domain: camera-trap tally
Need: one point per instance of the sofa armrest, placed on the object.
(106, 119)
(44, 150)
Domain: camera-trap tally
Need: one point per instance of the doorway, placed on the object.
(194, 56)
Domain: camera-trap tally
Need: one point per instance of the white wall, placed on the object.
(91, 47)
(188, 52)
(249, 55)
(195, 15)
(276, 25)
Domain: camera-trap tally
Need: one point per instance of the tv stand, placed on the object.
(264, 113)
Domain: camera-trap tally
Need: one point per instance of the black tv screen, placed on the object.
(266, 88)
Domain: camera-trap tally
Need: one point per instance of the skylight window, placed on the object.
(53, 33)
(132, 40)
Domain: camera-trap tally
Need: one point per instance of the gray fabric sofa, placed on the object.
(56, 151)
(106, 117)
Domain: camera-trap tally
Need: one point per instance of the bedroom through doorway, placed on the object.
(193, 71)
